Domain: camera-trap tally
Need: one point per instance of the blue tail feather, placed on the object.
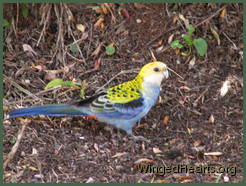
(47, 110)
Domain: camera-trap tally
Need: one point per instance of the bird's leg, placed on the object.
(137, 138)
(111, 130)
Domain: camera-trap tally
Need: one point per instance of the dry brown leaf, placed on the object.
(119, 154)
(99, 22)
(90, 180)
(39, 68)
(125, 13)
(184, 88)
(211, 119)
(80, 27)
(197, 143)
(33, 168)
(143, 160)
(96, 52)
(96, 147)
(175, 19)
(156, 150)
(173, 141)
(143, 146)
(28, 48)
(181, 102)
(190, 130)
(216, 35)
(189, 156)
(192, 62)
(104, 8)
(139, 5)
(170, 39)
(34, 151)
(225, 88)
(186, 181)
(161, 181)
(183, 177)
(186, 21)
(226, 178)
(159, 49)
(138, 20)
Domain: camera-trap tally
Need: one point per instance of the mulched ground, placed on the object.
(190, 120)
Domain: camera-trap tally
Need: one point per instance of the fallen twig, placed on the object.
(211, 16)
(20, 88)
(16, 145)
(47, 15)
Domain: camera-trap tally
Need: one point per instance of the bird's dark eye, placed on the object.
(156, 69)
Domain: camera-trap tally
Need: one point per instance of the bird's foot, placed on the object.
(139, 138)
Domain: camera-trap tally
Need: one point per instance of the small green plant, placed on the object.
(6, 23)
(24, 10)
(200, 44)
(74, 48)
(59, 82)
(110, 50)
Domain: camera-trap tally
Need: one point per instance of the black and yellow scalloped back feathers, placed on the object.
(125, 92)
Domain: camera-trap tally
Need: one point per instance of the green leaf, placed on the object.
(110, 50)
(83, 87)
(201, 46)
(176, 44)
(6, 23)
(54, 83)
(188, 39)
(12, 140)
(60, 82)
(190, 29)
(74, 48)
(70, 84)
(24, 11)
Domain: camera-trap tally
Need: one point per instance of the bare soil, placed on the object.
(190, 120)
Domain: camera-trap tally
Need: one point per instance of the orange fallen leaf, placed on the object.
(161, 181)
(105, 9)
(99, 22)
(166, 120)
(183, 177)
(223, 13)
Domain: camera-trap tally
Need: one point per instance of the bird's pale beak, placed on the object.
(166, 74)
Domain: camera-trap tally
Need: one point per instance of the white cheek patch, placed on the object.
(154, 79)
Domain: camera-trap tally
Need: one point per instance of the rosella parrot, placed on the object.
(121, 106)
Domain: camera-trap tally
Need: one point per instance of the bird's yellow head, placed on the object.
(154, 72)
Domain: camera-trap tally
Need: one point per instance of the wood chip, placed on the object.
(213, 153)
